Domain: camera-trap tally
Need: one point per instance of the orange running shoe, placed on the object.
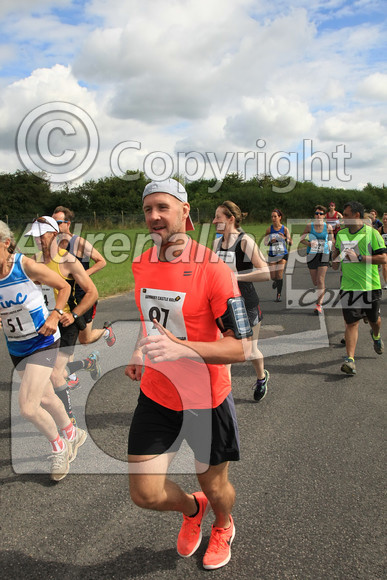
(218, 553)
(190, 534)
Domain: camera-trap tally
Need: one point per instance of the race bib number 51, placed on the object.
(166, 307)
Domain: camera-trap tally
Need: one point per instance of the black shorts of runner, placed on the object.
(89, 315)
(254, 315)
(44, 357)
(358, 305)
(274, 259)
(319, 260)
(212, 434)
(68, 337)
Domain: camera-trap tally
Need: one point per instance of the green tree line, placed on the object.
(24, 195)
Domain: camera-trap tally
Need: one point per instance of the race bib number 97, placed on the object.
(166, 307)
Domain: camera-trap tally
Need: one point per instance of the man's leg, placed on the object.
(351, 336)
(376, 326)
(90, 334)
(219, 491)
(151, 489)
(375, 331)
(221, 495)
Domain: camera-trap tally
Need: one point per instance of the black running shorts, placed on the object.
(319, 260)
(279, 258)
(44, 357)
(212, 434)
(358, 305)
(89, 315)
(68, 337)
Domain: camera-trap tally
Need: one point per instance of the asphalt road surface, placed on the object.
(310, 484)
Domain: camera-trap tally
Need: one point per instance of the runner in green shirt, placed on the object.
(359, 249)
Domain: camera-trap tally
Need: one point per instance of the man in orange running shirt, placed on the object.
(186, 295)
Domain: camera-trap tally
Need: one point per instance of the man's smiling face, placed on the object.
(165, 215)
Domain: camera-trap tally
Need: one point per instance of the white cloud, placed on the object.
(361, 126)
(270, 118)
(374, 87)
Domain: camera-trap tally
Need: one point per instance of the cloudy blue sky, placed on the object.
(198, 87)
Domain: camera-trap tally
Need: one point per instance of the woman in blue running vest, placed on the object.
(277, 237)
(318, 239)
(32, 338)
(241, 254)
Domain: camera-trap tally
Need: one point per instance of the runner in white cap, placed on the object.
(32, 338)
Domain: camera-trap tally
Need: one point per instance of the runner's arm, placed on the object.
(288, 237)
(304, 235)
(89, 251)
(79, 274)
(378, 257)
(133, 369)
(336, 259)
(40, 273)
(166, 347)
(266, 239)
(261, 269)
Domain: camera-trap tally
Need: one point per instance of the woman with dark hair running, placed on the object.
(277, 237)
(241, 254)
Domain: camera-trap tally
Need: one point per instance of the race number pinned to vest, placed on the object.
(229, 258)
(348, 245)
(49, 297)
(317, 246)
(166, 307)
(277, 245)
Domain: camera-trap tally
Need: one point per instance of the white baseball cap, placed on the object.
(172, 187)
(42, 225)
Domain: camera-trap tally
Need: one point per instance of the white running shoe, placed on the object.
(80, 438)
(60, 462)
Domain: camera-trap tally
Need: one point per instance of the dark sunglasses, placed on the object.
(318, 213)
(41, 220)
(61, 222)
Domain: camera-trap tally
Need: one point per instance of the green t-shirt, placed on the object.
(359, 275)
